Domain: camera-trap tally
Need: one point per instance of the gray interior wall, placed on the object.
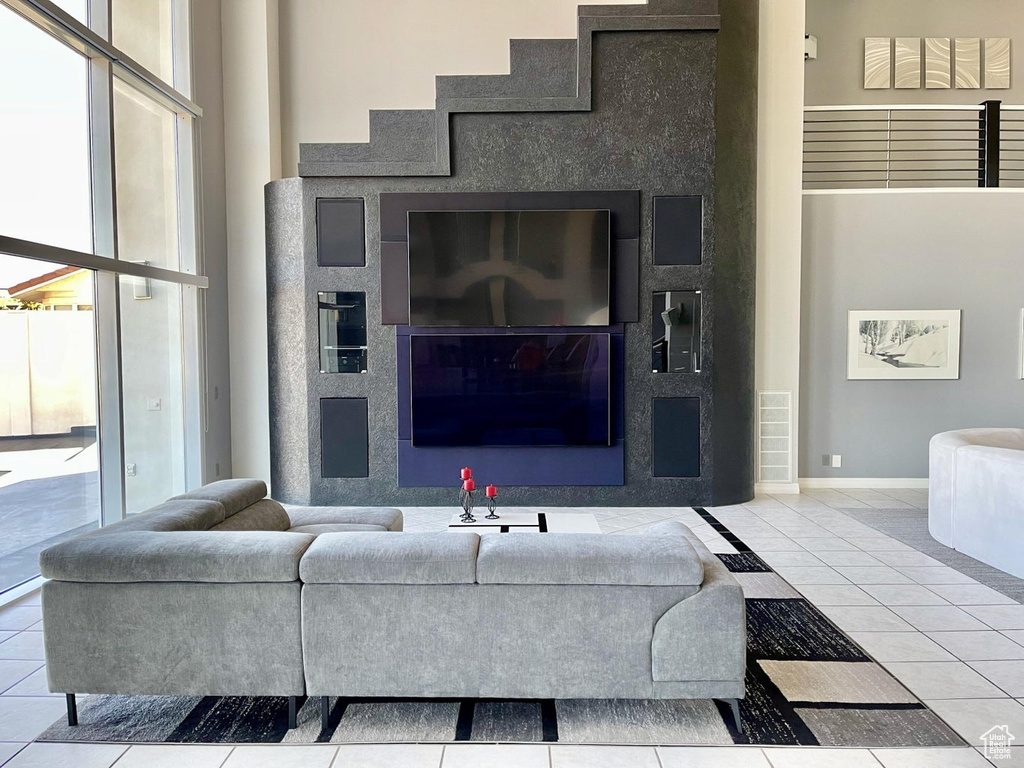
(837, 76)
(918, 250)
(209, 94)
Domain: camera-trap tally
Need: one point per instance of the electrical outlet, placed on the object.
(837, 460)
(129, 470)
(153, 404)
(826, 460)
(217, 468)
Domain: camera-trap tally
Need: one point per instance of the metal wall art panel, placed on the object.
(997, 62)
(968, 62)
(937, 60)
(877, 62)
(908, 62)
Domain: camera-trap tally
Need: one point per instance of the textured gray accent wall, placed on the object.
(921, 250)
(837, 76)
(652, 128)
(732, 425)
(291, 234)
(418, 142)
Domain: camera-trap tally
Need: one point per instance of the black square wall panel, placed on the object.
(678, 220)
(344, 437)
(340, 239)
(675, 436)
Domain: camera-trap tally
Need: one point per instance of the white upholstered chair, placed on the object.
(976, 495)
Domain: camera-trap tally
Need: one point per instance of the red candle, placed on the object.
(469, 484)
(491, 491)
(467, 473)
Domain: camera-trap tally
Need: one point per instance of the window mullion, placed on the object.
(108, 374)
(193, 336)
(108, 341)
(99, 18)
(101, 139)
(193, 385)
(181, 41)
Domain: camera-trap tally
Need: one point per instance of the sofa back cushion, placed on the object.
(233, 495)
(588, 558)
(186, 556)
(388, 518)
(264, 515)
(391, 558)
(173, 515)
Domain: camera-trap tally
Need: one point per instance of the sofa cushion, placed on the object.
(389, 558)
(235, 495)
(316, 530)
(588, 558)
(173, 515)
(264, 515)
(387, 517)
(194, 556)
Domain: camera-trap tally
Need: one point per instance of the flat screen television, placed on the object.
(511, 390)
(509, 268)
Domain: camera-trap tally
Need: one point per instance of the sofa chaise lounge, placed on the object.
(223, 592)
(196, 596)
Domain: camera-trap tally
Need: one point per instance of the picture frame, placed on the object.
(909, 345)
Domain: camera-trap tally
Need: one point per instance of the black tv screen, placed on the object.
(516, 389)
(509, 268)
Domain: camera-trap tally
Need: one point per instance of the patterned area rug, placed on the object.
(807, 684)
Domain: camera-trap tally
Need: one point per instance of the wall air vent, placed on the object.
(774, 436)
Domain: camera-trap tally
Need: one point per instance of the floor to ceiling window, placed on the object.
(101, 350)
(45, 187)
(49, 460)
(154, 418)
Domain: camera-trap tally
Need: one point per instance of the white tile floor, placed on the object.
(954, 642)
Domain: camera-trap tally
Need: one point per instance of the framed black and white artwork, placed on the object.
(903, 344)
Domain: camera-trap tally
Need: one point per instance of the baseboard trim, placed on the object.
(864, 482)
(16, 593)
(780, 488)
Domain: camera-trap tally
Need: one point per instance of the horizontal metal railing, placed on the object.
(901, 146)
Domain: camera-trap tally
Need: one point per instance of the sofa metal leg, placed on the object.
(325, 712)
(293, 711)
(735, 705)
(72, 709)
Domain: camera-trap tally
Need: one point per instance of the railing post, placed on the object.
(988, 145)
(888, 147)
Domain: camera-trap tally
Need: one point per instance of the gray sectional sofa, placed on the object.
(224, 592)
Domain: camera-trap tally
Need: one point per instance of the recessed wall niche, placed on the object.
(675, 332)
(342, 320)
(678, 230)
(340, 234)
(675, 437)
(344, 437)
